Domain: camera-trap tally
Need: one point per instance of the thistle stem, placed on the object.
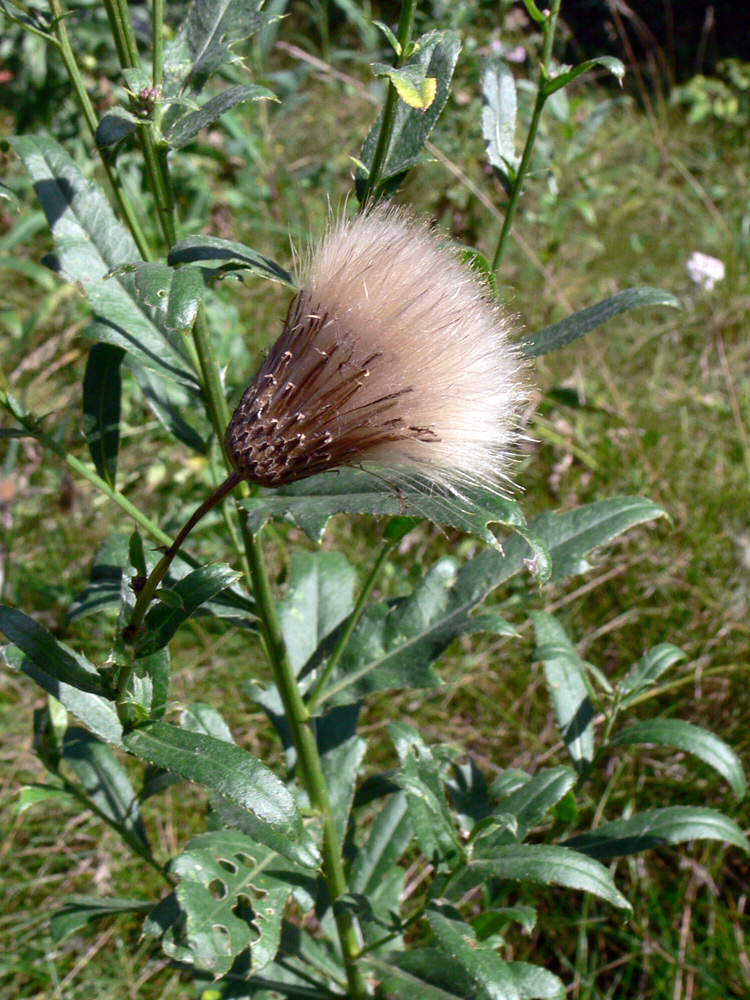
(550, 27)
(160, 570)
(405, 25)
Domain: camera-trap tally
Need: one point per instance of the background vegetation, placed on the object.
(655, 403)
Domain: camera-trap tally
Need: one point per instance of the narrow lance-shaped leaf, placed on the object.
(78, 911)
(102, 389)
(218, 255)
(187, 127)
(657, 828)
(483, 963)
(499, 110)
(644, 674)
(91, 243)
(692, 739)
(551, 338)
(564, 671)
(270, 808)
(566, 74)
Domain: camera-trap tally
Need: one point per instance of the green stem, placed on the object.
(311, 770)
(157, 36)
(84, 102)
(550, 26)
(405, 25)
(317, 696)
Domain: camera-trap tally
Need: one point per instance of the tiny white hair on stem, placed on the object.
(393, 356)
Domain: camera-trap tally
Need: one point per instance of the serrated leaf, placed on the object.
(231, 898)
(102, 388)
(204, 41)
(499, 111)
(656, 828)
(320, 595)
(237, 775)
(549, 865)
(430, 816)
(193, 590)
(388, 838)
(482, 963)
(188, 126)
(312, 502)
(537, 796)
(551, 338)
(395, 644)
(564, 671)
(227, 255)
(644, 674)
(55, 658)
(425, 974)
(90, 244)
(564, 77)
(78, 911)
(692, 739)
(115, 125)
(94, 711)
(436, 54)
(106, 783)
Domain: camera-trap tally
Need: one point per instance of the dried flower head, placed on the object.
(392, 356)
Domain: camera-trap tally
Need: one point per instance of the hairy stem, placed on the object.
(550, 26)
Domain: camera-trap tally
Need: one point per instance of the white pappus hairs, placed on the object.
(393, 356)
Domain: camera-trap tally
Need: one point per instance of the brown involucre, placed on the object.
(392, 356)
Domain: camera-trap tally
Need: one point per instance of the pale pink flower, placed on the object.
(393, 357)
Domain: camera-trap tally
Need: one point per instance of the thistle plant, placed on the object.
(393, 391)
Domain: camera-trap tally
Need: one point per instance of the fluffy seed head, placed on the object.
(392, 356)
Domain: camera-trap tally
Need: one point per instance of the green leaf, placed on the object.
(549, 865)
(482, 963)
(94, 711)
(530, 803)
(236, 775)
(535, 983)
(565, 75)
(106, 783)
(311, 503)
(226, 255)
(171, 403)
(38, 22)
(231, 898)
(395, 44)
(499, 111)
(395, 643)
(645, 673)
(115, 125)
(102, 388)
(551, 338)
(319, 597)
(186, 128)
(436, 54)
(204, 41)
(565, 675)
(428, 808)
(571, 536)
(78, 911)
(656, 828)
(692, 739)
(390, 835)
(31, 795)
(90, 243)
(163, 620)
(54, 658)
(425, 974)
(340, 769)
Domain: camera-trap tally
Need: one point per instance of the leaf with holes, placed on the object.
(231, 897)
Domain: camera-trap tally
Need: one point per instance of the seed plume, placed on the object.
(393, 356)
